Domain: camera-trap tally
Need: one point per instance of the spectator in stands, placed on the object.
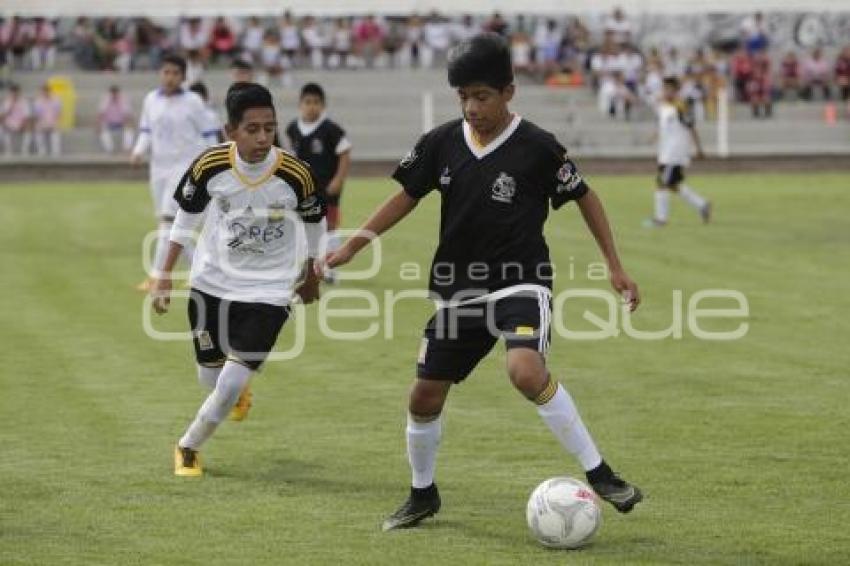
(411, 51)
(47, 111)
(315, 41)
(438, 39)
(521, 53)
(622, 98)
(15, 116)
(252, 40)
(147, 41)
(241, 71)
(107, 33)
(82, 42)
(194, 36)
(631, 64)
(341, 44)
(465, 29)
(619, 27)
(19, 38)
(115, 119)
(496, 24)
(742, 72)
(790, 75)
(816, 72)
(842, 74)
(754, 33)
(393, 43)
(547, 46)
(222, 40)
(4, 54)
(290, 40)
(271, 58)
(577, 37)
(652, 87)
(674, 64)
(195, 67)
(44, 48)
(759, 87)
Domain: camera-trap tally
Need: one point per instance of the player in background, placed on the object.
(677, 135)
(322, 143)
(264, 223)
(212, 118)
(173, 128)
(497, 175)
(241, 71)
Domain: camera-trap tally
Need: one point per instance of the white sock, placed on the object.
(691, 197)
(558, 411)
(208, 376)
(662, 205)
(232, 380)
(161, 245)
(423, 439)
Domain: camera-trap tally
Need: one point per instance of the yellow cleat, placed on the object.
(187, 463)
(242, 406)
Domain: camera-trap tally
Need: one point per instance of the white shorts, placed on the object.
(163, 184)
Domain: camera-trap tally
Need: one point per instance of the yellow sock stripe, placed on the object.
(547, 394)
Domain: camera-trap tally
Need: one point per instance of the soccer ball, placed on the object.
(563, 513)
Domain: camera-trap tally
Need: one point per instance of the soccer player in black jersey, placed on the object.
(322, 143)
(497, 175)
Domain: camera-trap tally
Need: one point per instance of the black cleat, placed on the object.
(421, 504)
(608, 485)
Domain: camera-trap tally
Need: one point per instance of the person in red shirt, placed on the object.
(742, 71)
(222, 39)
(759, 88)
(842, 74)
(790, 74)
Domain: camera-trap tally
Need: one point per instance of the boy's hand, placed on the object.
(309, 289)
(333, 259)
(627, 288)
(161, 293)
(334, 188)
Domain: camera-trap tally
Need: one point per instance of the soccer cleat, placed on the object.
(705, 213)
(421, 504)
(240, 410)
(653, 223)
(608, 486)
(187, 462)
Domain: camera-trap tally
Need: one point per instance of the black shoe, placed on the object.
(421, 504)
(608, 485)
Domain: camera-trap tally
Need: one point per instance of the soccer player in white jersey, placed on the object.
(677, 136)
(173, 128)
(263, 224)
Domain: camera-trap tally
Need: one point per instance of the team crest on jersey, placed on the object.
(504, 188)
(568, 177)
(409, 159)
(316, 146)
(446, 177)
(277, 210)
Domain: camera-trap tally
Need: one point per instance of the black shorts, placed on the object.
(669, 176)
(242, 332)
(457, 338)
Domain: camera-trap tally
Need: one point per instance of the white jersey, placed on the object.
(263, 221)
(674, 135)
(174, 128)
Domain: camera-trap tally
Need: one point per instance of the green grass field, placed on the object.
(742, 447)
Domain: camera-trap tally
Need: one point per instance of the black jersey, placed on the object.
(320, 147)
(495, 201)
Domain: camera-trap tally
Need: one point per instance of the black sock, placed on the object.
(602, 472)
(423, 491)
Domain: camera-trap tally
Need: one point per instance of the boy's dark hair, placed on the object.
(200, 89)
(174, 59)
(313, 89)
(485, 58)
(242, 65)
(243, 96)
(672, 82)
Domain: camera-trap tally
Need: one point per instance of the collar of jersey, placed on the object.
(480, 152)
(307, 128)
(245, 180)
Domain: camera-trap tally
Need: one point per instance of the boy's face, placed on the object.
(170, 77)
(255, 133)
(670, 92)
(311, 107)
(483, 106)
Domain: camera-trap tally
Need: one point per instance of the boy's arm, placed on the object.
(335, 185)
(697, 142)
(596, 220)
(385, 217)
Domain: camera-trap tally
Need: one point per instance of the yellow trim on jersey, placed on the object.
(207, 160)
(293, 166)
(250, 184)
(197, 172)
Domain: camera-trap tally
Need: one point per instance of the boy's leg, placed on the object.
(661, 212)
(694, 200)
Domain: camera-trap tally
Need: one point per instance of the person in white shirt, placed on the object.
(676, 134)
(290, 39)
(619, 27)
(15, 118)
(47, 111)
(252, 40)
(263, 221)
(173, 128)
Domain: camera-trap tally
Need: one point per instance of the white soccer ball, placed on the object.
(563, 513)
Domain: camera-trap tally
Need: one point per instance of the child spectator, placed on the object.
(816, 73)
(271, 58)
(340, 44)
(44, 48)
(222, 40)
(759, 88)
(115, 119)
(842, 74)
(47, 111)
(742, 72)
(290, 40)
(15, 115)
(252, 40)
(314, 42)
(790, 75)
